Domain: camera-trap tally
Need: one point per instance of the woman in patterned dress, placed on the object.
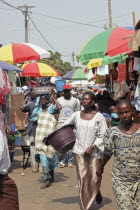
(90, 127)
(124, 143)
(45, 125)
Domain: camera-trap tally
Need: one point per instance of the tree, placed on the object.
(56, 62)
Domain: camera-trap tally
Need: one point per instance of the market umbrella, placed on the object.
(38, 70)
(9, 67)
(106, 60)
(21, 52)
(77, 74)
(109, 42)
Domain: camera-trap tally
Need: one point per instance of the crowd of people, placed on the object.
(103, 127)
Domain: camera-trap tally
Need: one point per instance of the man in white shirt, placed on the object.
(69, 105)
(8, 188)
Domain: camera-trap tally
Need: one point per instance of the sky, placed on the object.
(65, 37)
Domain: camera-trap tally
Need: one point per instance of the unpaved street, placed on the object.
(62, 195)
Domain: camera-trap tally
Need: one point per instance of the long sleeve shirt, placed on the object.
(88, 132)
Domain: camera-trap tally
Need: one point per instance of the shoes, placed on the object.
(70, 166)
(46, 184)
(62, 165)
(99, 198)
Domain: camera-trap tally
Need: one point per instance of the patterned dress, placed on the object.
(126, 166)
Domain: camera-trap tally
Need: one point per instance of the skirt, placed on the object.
(88, 181)
(8, 194)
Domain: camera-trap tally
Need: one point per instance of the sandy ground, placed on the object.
(62, 195)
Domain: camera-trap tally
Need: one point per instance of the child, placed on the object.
(115, 120)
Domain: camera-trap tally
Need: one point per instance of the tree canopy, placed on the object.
(56, 62)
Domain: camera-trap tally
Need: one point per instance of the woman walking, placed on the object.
(124, 143)
(45, 125)
(90, 127)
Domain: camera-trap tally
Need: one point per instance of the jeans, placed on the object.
(67, 157)
(48, 165)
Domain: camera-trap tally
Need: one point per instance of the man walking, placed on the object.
(29, 107)
(69, 105)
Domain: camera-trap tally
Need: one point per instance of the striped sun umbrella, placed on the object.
(38, 70)
(109, 42)
(21, 52)
(77, 74)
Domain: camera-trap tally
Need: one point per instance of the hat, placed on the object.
(67, 87)
(99, 91)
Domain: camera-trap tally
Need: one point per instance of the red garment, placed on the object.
(2, 101)
(121, 72)
(8, 194)
(5, 86)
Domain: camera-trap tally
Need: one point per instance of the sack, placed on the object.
(37, 158)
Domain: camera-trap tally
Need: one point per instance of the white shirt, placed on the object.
(68, 108)
(4, 155)
(88, 132)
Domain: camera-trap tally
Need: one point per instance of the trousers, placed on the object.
(67, 157)
(34, 164)
(48, 165)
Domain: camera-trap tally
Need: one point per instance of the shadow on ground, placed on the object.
(68, 200)
(59, 177)
(76, 199)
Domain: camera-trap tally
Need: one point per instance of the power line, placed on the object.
(6, 3)
(87, 24)
(31, 21)
(41, 33)
(6, 9)
(66, 20)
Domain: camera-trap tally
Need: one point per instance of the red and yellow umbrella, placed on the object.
(38, 70)
(21, 52)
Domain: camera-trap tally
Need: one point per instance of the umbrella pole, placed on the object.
(19, 79)
(122, 65)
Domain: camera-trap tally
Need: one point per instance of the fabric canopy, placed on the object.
(106, 60)
(9, 67)
(21, 52)
(109, 42)
(37, 69)
(77, 74)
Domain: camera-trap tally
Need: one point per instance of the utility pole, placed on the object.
(26, 17)
(73, 60)
(134, 19)
(110, 14)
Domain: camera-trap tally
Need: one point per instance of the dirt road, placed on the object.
(62, 195)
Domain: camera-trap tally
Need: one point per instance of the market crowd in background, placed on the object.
(103, 123)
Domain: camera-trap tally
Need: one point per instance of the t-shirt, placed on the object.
(68, 108)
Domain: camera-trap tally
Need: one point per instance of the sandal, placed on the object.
(70, 166)
(61, 165)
